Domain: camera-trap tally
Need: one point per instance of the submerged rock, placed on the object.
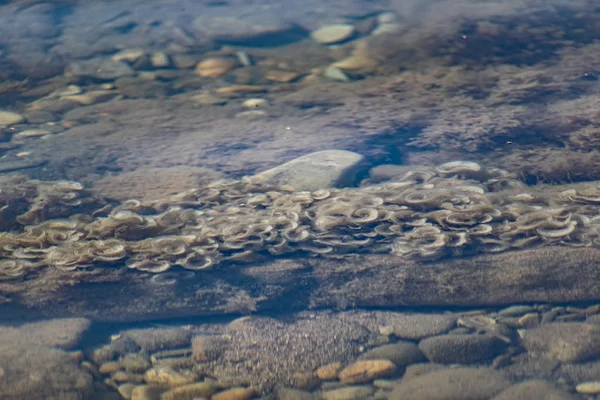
(452, 384)
(319, 170)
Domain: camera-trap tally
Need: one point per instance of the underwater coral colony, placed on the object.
(453, 209)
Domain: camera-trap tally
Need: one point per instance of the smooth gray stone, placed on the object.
(319, 170)
(461, 349)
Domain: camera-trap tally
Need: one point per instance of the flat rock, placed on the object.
(567, 342)
(452, 384)
(534, 389)
(461, 349)
(41, 373)
(318, 170)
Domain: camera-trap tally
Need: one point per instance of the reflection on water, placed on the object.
(240, 199)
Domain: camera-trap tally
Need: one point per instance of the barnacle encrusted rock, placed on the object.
(459, 208)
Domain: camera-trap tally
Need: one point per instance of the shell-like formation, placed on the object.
(458, 208)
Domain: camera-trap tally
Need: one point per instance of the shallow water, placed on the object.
(441, 208)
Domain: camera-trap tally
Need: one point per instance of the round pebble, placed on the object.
(214, 67)
(255, 103)
(10, 118)
(334, 33)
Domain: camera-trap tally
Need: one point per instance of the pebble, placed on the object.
(255, 103)
(281, 76)
(128, 55)
(238, 393)
(314, 171)
(567, 342)
(418, 326)
(10, 118)
(348, 393)
(401, 354)
(28, 133)
(452, 384)
(588, 387)
(515, 311)
(159, 60)
(333, 33)
(191, 391)
(366, 370)
(461, 349)
(162, 375)
(92, 97)
(236, 89)
(215, 67)
(329, 371)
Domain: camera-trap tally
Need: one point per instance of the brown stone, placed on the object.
(366, 370)
(237, 393)
(329, 371)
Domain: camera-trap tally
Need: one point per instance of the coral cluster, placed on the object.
(455, 208)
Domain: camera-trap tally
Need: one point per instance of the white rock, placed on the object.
(334, 33)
